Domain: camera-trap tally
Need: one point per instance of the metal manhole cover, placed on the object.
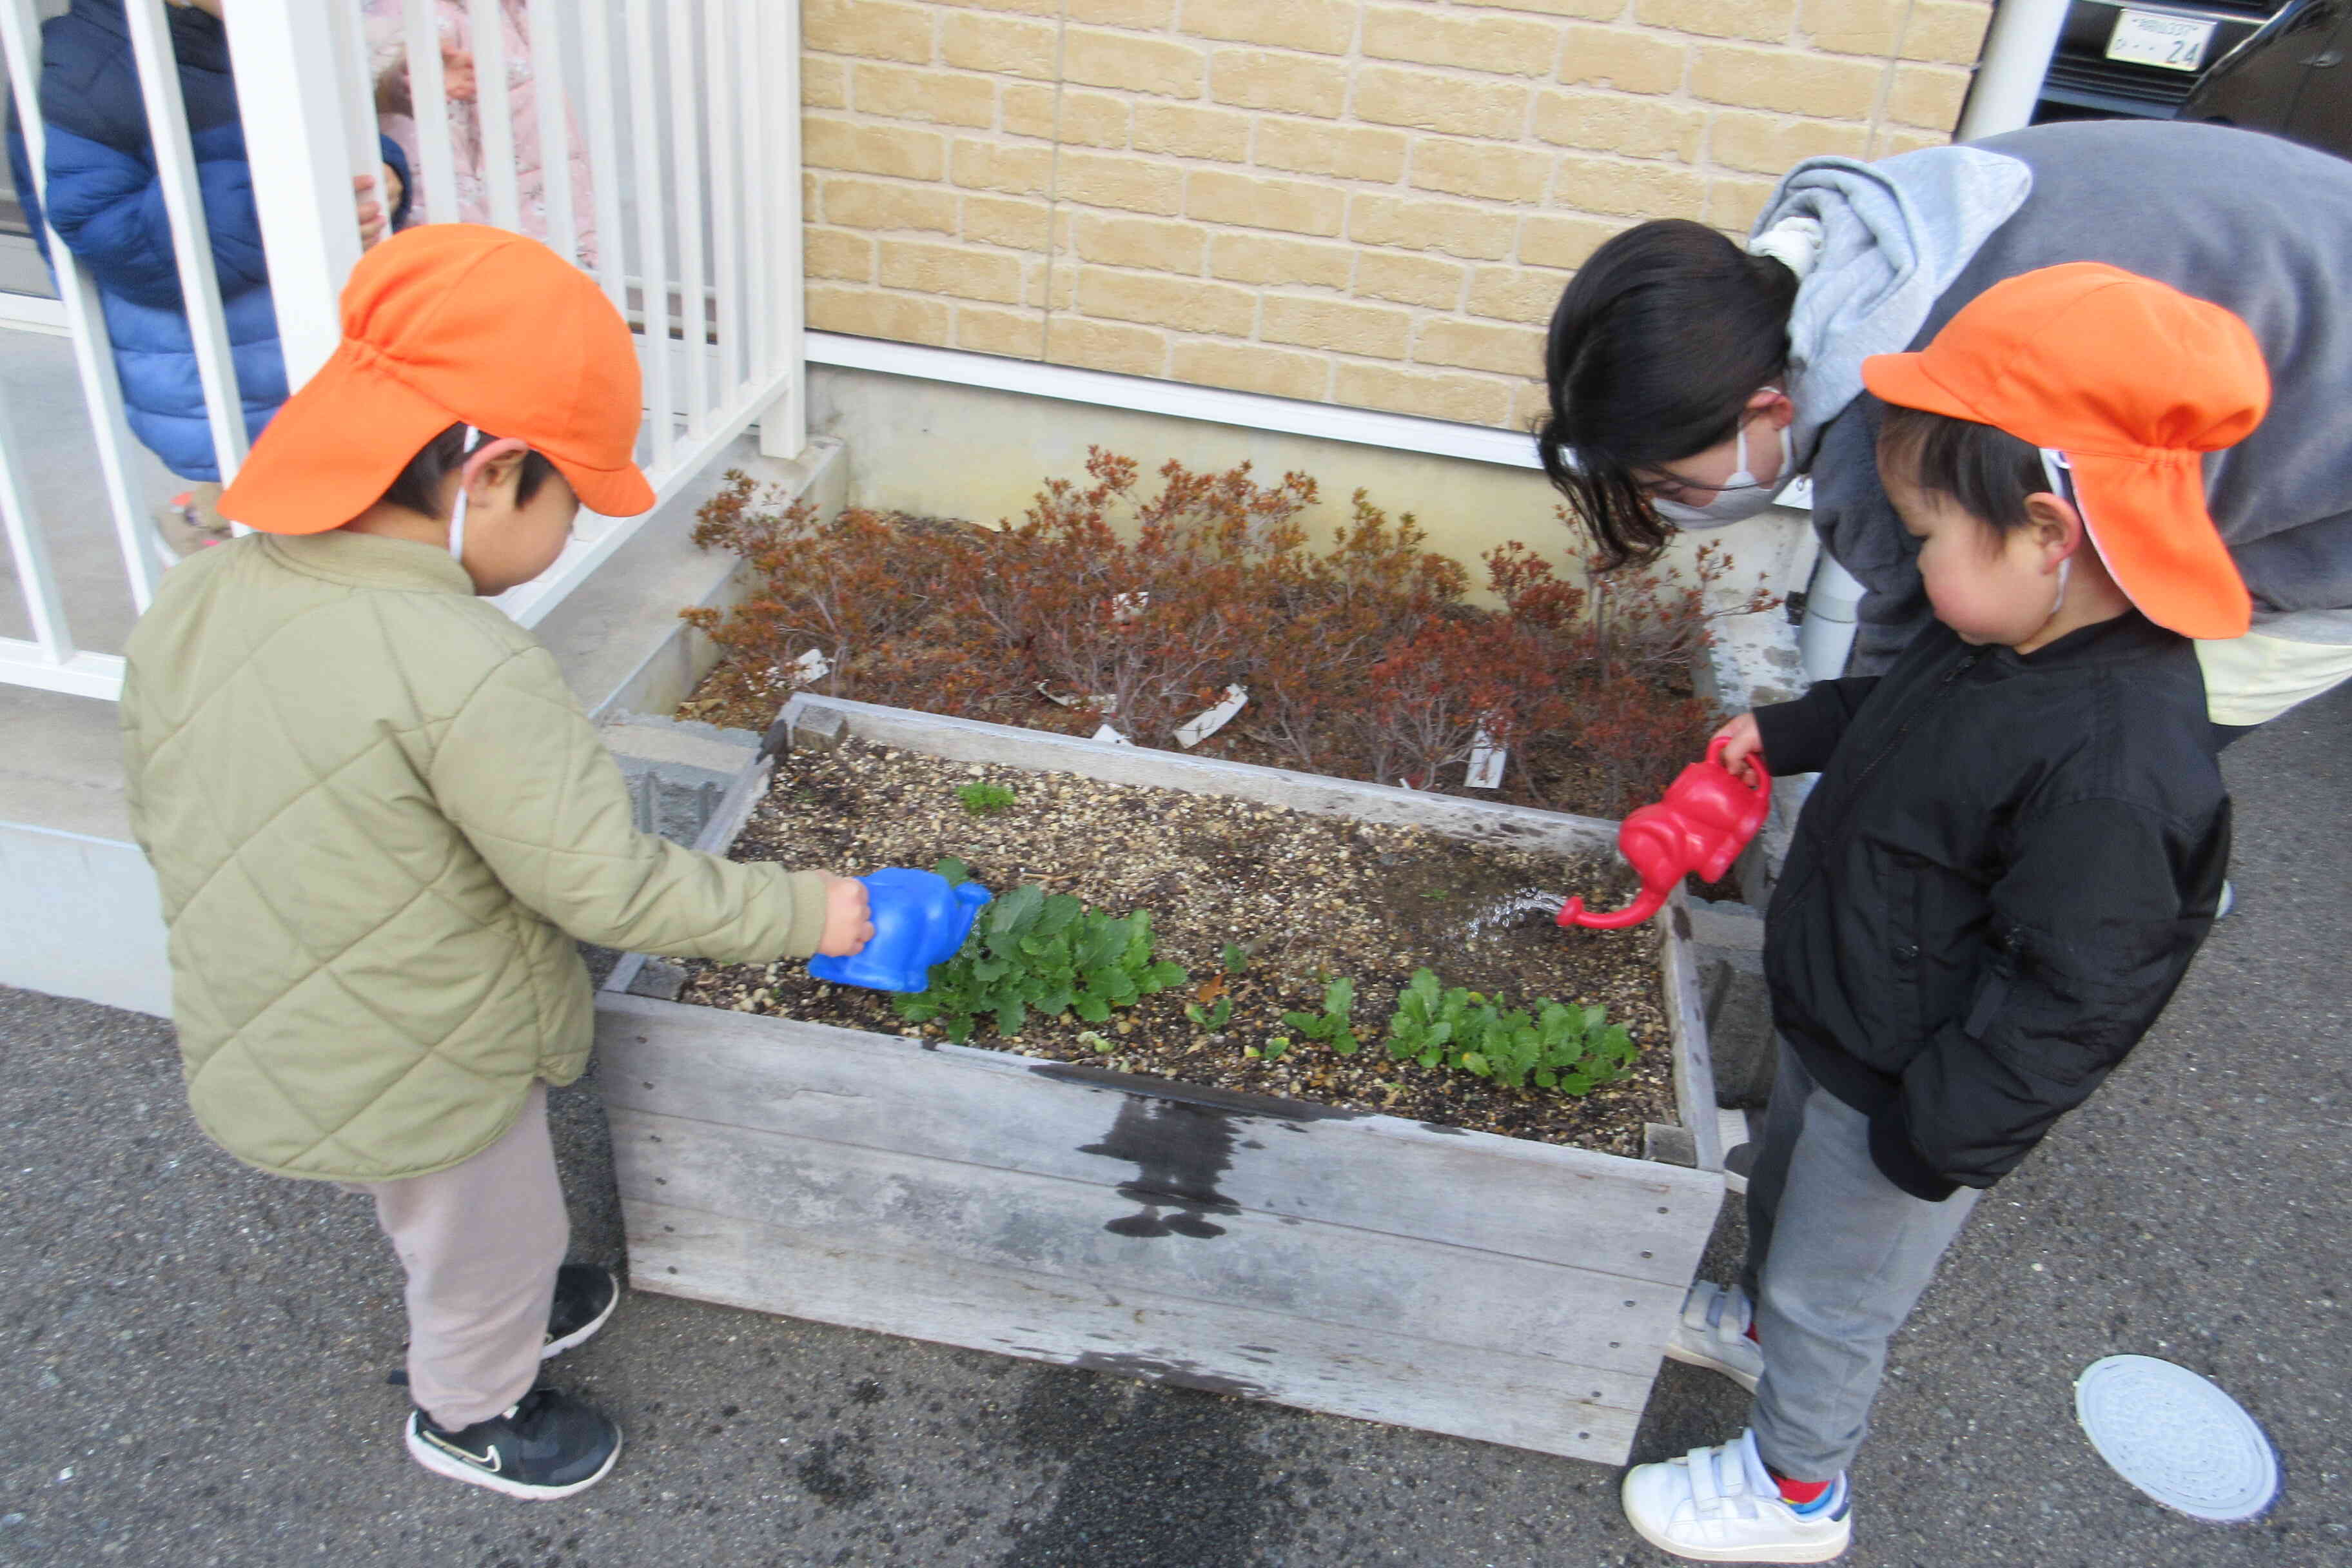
(2177, 1437)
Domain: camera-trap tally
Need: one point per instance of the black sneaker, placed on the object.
(546, 1445)
(586, 1296)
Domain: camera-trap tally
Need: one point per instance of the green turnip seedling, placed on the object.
(1331, 1025)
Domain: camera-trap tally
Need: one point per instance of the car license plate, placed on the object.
(2148, 38)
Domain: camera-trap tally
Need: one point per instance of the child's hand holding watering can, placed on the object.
(903, 921)
(848, 918)
(1741, 740)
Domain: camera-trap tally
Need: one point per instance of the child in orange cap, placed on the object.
(379, 818)
(2015, 846)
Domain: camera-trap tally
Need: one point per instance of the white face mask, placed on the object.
(1740, 496)
(2061, 483)
(457, 512)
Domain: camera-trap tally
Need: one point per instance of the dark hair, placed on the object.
(1987, 471)
(1657, 343)
(418, 487)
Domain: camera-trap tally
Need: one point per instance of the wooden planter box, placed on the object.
(1341, 1261)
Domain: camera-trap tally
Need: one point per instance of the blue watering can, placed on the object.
(920, 920)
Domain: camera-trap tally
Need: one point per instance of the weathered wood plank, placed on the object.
(1687, 1022)
(1475, 1190)
(1548, 1406)
(1189, 1245)
(1042, 751)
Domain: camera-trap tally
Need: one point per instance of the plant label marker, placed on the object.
(1485, 762)
(811, 667)
(1112, 735)
(1207, 724)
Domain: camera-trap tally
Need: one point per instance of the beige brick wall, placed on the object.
(1366, 202)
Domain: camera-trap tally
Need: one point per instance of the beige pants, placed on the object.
(2255, 679)
(481, 1243)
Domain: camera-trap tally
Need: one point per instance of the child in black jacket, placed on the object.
(2016, 844)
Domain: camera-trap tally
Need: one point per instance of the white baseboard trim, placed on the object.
(1150, 394)
(1217, 406)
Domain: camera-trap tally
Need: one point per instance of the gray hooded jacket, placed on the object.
(2251, 223)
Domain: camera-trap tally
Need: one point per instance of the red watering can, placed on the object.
(1705, 820)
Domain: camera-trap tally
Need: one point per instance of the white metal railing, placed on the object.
(686, 113)
(50, 659)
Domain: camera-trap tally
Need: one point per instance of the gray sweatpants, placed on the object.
(1837, 1256)
(481, 1243)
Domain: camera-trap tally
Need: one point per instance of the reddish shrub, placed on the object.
(1361, 659)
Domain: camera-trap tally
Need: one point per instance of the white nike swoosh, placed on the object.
(492, 1460)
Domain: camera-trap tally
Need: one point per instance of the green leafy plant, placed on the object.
(1212, 1018)
(1235, 956)
(1556, 1047)
(984, 799)
(1330, 1025)
(1050, 952)
(1274, 1050)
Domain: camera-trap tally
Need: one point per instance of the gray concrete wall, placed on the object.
(79, 917)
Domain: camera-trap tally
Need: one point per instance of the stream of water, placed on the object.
(1511, 908)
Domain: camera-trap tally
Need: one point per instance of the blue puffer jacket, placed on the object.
(106, 201)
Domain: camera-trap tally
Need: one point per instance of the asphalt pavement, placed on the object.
(195, 1354)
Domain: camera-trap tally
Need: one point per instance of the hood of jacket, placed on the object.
(1894, 235)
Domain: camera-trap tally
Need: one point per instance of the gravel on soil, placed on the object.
(1548, 772)
(1309, 899)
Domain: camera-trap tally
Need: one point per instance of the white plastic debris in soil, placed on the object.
(1207, 724)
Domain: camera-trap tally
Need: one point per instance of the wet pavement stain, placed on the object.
(1182, 1374)
(1152, 1478)
(836, 1473)
(1178, 1152)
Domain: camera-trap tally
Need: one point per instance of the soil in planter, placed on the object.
(1311, 898)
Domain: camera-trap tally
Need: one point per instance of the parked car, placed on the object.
(2294, 78)
(2141, 57)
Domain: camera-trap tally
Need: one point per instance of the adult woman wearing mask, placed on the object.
(1692, 378)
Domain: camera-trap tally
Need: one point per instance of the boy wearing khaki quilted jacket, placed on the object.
(379, 818)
